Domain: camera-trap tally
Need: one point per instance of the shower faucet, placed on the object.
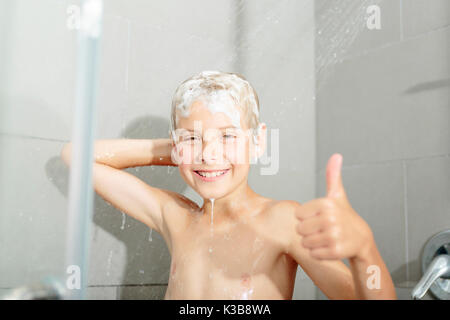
(436, 274)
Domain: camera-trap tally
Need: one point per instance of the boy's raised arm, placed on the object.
(124, 190)
(126, 153)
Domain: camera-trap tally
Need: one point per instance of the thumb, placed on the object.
(335, 188)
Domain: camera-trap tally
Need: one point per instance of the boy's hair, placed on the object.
(206, 82)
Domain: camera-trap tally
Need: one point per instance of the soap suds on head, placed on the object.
(221, 92)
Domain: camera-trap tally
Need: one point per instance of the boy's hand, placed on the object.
(331, 229)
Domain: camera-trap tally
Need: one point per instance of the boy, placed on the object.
(238, 245)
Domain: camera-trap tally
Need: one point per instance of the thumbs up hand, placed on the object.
(330, 228)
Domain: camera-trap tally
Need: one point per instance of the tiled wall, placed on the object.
(147, 49)
(383, 102)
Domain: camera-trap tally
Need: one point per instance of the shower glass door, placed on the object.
(47, 94)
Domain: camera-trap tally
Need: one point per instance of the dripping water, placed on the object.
(212, 221)
(150, 235)
(109, 263)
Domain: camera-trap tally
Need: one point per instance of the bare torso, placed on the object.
(243, 258)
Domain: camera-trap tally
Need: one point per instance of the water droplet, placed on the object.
(212, 216)
(109, 263)
(150, 235)
(123, 221)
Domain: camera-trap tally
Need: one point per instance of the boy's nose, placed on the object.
(212, 151)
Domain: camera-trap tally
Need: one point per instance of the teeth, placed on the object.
(211, 174)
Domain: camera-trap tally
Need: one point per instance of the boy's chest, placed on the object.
(242, 245)
(235, 259)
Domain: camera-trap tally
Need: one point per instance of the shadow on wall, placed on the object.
(431, 85)
(147, 260)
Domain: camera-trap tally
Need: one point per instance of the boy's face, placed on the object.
(213, 155)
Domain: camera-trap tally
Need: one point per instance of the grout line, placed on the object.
(387, 45)
(405, 211)
(387, 162)
(16, 135)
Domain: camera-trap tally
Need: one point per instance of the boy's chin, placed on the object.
(210, 194)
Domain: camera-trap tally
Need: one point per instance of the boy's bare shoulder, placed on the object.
(281, 212)
(283, 207)
(280, 221)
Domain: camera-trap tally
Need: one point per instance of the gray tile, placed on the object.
(154, 53)
(376, 194)
(38, 80)
(342, 31)
(178, 17)
(147, 292)
(275, 31)
(428, 196)
(304, 289)
(124, 251)
(33, 191)
(320, 295)
(113, 77)
(101, 293)
(421, 16)
(389, 104)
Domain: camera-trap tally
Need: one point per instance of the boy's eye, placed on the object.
(190, 138)
(229, 136)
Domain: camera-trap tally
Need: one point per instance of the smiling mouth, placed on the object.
(210, 175)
